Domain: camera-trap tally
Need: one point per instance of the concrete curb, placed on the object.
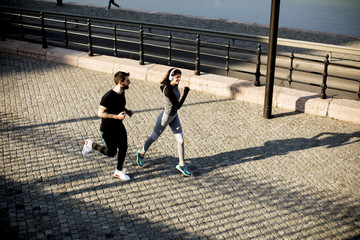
(285, 98)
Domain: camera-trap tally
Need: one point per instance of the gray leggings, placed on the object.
(174, 122)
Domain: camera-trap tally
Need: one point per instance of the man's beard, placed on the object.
(125, 87)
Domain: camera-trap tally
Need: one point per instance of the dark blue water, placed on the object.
(333, 16)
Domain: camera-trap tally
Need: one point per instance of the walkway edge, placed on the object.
(284, 98)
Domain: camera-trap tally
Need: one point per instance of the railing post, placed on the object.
(3, 29)
(115, 39)
(258, 65)
(197, 57)
(291, 68)
(169, 49)
(90, 53)
(21, 26)
(141, 53)
(3, 37)
(227, 65)
(43, 34)
(325, 74)
(66, 32)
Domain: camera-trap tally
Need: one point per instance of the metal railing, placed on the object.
(197, 49)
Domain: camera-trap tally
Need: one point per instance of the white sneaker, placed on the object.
(87, 147)
(121, 175)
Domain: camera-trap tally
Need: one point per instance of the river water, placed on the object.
(333, 16)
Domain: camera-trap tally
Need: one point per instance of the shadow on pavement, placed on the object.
(273, 148)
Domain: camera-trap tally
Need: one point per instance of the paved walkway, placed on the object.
(292, 177)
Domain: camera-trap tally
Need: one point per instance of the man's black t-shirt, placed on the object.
(115, 104)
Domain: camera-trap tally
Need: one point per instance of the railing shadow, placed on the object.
(273, 148)
(81, 119)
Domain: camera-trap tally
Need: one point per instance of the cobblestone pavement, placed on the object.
(292, 177)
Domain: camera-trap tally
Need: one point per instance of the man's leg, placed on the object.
(109, 148)
(122, 146)
(115, 4)
(112, 2)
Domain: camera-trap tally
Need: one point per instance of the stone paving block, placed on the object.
(10, 46)
(99, 63)
(345, 110)
(213, 84)
(127, 65)
(289, 99)
(64, 56)
(300, 101)
(244, 90)
(156, 73)
(315, 106)
(33, 50)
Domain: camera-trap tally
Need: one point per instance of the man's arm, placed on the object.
(129, 112)
(103, 114)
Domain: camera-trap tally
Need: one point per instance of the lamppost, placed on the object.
(270, 72)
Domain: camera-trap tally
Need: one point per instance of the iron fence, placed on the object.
(240, 55)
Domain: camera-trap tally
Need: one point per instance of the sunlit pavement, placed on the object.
(295, 176)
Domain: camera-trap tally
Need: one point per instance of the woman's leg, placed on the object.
(176, 128)
(161, 123)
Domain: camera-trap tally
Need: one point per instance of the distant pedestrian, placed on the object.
(169, 116)
(112, 2)
(112, 130)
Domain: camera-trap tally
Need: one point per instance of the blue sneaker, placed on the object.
(140, 159)
(183, 170)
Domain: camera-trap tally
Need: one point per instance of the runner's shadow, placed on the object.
(204, 165)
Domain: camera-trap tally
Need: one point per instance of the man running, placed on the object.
(112, 130)
(112, 2)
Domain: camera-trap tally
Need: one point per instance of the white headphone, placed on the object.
(170, 75)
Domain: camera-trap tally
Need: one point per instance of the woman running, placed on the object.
(169, 116)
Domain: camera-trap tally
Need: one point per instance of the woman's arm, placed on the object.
(182, 100)
(170, 94)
